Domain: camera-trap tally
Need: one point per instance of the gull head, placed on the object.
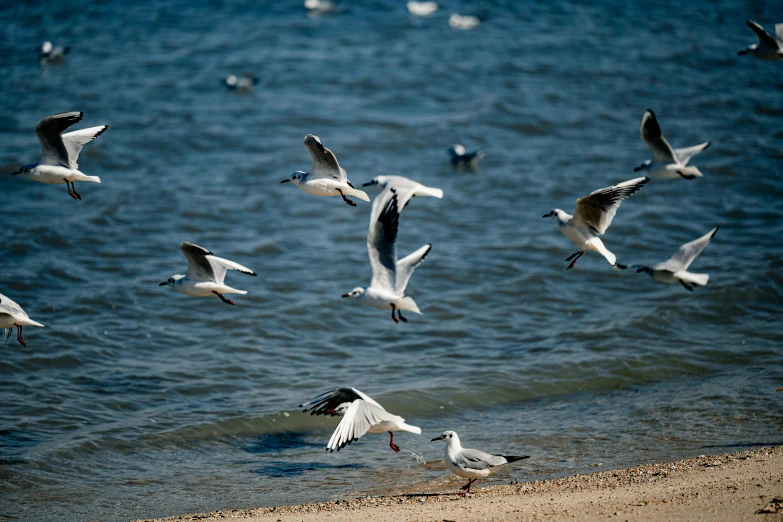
(46, 47)
(558, 215)
(296, 178)
(172, 280)
(356, 292)
(24, 169)
(749, 49)
(231, 80)
(449, 437)
(341, 409)
(457, 149)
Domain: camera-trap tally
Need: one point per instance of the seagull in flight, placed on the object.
(11, 314)
(471, 464)
(667, 163)
(406, 188)
(206, 273)
(361, 415)
(59, 152)
(675, 270)
(460, 156)
(389, 276)
(326, 177)
(594, 214)
(769, 47)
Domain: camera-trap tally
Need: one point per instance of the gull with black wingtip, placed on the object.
(667, 163)
(406, 188)
(769, 47)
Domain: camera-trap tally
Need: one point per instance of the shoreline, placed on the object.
(746, 485)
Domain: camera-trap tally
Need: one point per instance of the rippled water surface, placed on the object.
(137, 401)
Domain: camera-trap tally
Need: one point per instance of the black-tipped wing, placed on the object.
(359, 418)
(324, 161)
(199, 267)
(598, 209)
(652, 136)
(382, 239)
(765, 39)
(332, 399)
(49, 131)
(74, 141)
(686, 254)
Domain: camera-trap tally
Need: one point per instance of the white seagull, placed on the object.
(240, 83)
(422, 8)
(53, 54)
(361, 415)
(406, 188)
(667, 162)
(463, 22)
(769, 47)
(206, 273)
(59, 152)
(594, 214)
(320, 6)
(11, 314)
(460, 156)
(675, 270)
(326, 177)
(472, 464)
(389, 276)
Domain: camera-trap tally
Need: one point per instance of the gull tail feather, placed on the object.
(411, 305)
(412, 429)
(695, 279)
(512, 458)
(428, 191)
(91, 179)
(356, 193)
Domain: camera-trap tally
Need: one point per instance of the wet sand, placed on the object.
(741, 486)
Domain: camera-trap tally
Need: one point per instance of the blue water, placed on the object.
(136, 401)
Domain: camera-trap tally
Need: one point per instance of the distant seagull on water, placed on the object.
(471, 464)
(460, 156)
(206, 273)
(53, 53)
(422, 8)
(361, 415)
(769, 47)
(326, 177)
(320, 6)
(240, 83)
(463, 22)
(667, 162)
(594, 214)
(389, 276)
(406, 188)
(11, 314)
(675, 270)
(59, 152)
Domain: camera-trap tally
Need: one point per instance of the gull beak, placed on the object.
(437, 438)
(547, 215)
(286, 181)
(369, 183)
(164, 283)
(637, 169)
(346, 295)
(17, 172)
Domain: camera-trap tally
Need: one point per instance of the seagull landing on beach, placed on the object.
(361, 415)
(326, 177)
(406, 188)
(667, 163)
(59, 152)
(53, 54)
(769, 47)
(389, 276)
(206, 273)
(460, 156)
(594, 214)
(471, 464)
(675, 270)
(240, 83)
(11, 314)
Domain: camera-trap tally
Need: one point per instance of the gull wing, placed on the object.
(382, 239)
(407, 265)
(779, 34)
(199, 266)
(359, 418)
(597, 210)
(477, 459)
(653, 137)
(49, 131)
(324, 161)
(765, 39)
(684, 155)
(683, 258)
(220, 266)
(332, 399)
(8, 306)
(74, 141)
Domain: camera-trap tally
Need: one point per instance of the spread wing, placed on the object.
(653, 137)
(220, 266)
(49, 131)
(74, 141)
(765, 39)
(407, 265)
(324, 161)
(332, 399)
(9, 307)
(683, 258)
(199, 267)
(357, 420)
(779, 33)
(684, 155)
(382, 239)
(598, 209)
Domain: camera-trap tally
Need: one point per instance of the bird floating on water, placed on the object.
(240, 83)
(53, 53)
(769, 47)
(422, 8)
(59, 152)
(460, 156)
(463, 22)
(11, 314)
(667, 162)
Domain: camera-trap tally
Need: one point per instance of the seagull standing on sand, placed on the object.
(59, 152)
(206, 273)
(406, 188)
(675, 270)
(361, 415)
(53, 54)
(594, 214)
(11, 314)
(769, 47)
(326, 177)
(460, 156)
(667, 162)
(471, 464)
(389, 276)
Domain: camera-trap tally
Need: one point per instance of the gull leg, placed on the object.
(399, 314)
(392, 444)
(19, 335)
(569, 258)
(578, 255)
(686, 176)
(346, 199)
(466, 487)
(70, 193)
(227, 301)
(687, 286)
(394, 316)
(73, 186)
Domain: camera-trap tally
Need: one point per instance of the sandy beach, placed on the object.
(741, 486)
